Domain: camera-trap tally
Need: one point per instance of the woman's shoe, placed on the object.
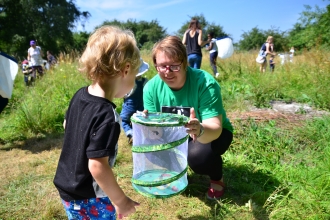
(214, 194)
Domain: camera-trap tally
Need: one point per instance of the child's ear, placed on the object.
(126, 69)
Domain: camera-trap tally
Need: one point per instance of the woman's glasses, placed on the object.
(172, 68)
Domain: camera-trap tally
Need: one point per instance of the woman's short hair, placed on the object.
(108, 50)
(173, 48)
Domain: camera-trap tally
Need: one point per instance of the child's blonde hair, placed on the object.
(108, 50)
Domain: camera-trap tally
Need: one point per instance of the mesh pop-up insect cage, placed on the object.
(160, 148)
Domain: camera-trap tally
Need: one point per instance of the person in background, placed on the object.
(271, 64)
(192, 38)
(196, 94)
(213, 49)
(266, 48)
(51, 59)
(84, 178)
(35, 58)
(27, 70)
(291, 54)
(133, 102)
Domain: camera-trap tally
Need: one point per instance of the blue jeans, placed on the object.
(195, 60)
(213, 59)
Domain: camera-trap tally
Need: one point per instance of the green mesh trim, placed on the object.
(158, 147)
(160, 119)
(158, 196)
(157, 183)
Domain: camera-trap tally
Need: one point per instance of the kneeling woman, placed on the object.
(196, 94)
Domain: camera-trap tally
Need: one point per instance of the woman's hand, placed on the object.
(193, 126)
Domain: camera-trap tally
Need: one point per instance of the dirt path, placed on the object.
(291, 113)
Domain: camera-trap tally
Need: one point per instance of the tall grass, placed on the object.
(272, 170)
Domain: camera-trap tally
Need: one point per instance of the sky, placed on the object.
(234, 16)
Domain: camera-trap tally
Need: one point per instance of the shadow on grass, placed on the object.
(243, 183)
(36, 144)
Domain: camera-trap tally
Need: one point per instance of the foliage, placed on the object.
(253, 39)
(48, 22)
(32, 113)
(80, 40)
(205, 25)
(312, 30)
(145, 32)
(51, 24)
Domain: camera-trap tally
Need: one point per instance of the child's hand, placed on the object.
(126, 208)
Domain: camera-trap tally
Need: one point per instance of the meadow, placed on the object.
(275, 169)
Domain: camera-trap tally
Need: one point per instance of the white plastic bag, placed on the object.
(260, 59)
(8, 72)
(225, 47)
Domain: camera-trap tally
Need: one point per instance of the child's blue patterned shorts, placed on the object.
(90, 209)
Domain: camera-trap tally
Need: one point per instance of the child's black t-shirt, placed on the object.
(92, 131)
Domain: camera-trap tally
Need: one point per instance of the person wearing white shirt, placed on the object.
(35, 58)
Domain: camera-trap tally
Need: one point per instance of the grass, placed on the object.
(272, 170)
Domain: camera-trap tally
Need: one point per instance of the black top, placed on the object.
(92, 131)
(192, 44)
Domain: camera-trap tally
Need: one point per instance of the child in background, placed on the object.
(213, 53)
(291, 54)
(133, 102)
(51, 59)
(271, 64)
(27, 71)
(84, 178)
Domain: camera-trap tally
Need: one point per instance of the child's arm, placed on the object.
(103, 175)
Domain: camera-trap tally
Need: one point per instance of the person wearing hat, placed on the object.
(133, 101)
(35, 58)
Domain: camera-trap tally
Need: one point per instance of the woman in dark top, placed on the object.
(192, 38)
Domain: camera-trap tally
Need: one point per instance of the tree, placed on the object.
(146, 33)
(48, 21)
(206, 27)
(280, 39)
(313, 29)
(253, 39)
(80, 40)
